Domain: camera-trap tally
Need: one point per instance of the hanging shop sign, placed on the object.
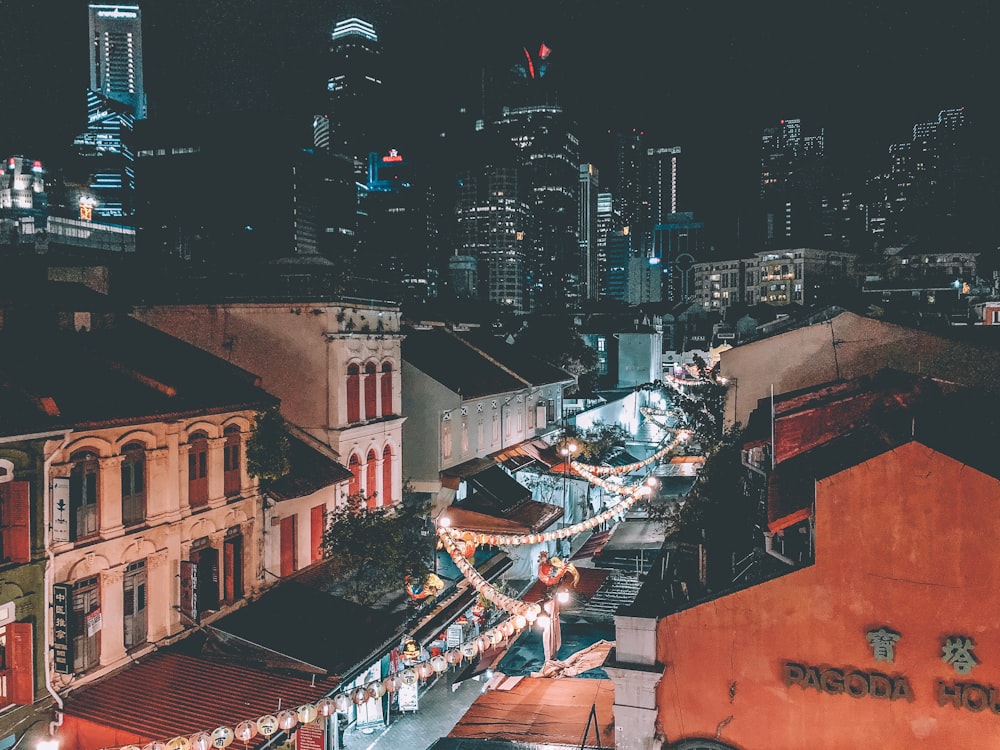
(62, 644)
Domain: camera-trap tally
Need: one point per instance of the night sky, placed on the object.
(707, 76)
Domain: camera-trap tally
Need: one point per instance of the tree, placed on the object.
(598, 443)
(372, 550)
(717, 511)
(268, 447)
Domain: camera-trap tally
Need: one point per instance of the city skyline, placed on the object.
(705, 80)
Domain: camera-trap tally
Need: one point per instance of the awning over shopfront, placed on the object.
(538, 711)
(311, 468)
(499, 488)
(535, 451)
(452, 477)
(178, 690)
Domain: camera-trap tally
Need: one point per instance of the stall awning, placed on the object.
(453, 475)
(526, 453)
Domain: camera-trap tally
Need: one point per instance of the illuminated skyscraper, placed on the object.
(793, 184)
(588, 233)
(116, 55)
(354, 85)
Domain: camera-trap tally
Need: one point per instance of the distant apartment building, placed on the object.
(718, 285)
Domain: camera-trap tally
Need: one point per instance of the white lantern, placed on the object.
(307, 713)
(245, 731)
(222, 737)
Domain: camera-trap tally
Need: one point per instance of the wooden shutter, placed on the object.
(288, 561)
(18, 522)
(20, 664)
(317, 522)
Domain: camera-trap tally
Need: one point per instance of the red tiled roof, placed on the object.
(171, 693)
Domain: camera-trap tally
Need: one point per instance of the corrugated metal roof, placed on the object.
(173, 692)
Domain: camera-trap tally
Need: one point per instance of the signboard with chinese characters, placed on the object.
(62, 644)
(60, 509)
(94, 623)
(956, 652)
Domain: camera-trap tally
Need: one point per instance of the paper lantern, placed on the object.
(287, 719)
(482, 643)
(341, 701)
(439, 664)
(392, 683)
(179, 743)
(469, 649)
(129, 747)
(222, 737)
(306, 713)
(520, 621)
(359, 696)
(507, 628)
(200, 741)
(453, 656)
(424, 670)
(494, 636)
(409, 677)
(245, 731)
(325, 707)
(267, 725)
(155, 745)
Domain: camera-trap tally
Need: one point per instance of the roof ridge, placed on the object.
(488, 358)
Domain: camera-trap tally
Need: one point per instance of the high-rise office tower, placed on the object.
(588, 233)
(605, 222)
(116, 55)
(662, 169)
(492, 227)
(115, 100)
(794, 186)
(548, 153)
(677, 243)
(354, 86)
(929, 187)
(628, 184)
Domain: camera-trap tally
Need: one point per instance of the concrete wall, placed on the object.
(845, 347)
(902, 542)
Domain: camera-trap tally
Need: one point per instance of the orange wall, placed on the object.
(906, 541)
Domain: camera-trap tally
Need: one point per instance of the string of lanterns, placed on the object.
(340, 702)
(522, 615)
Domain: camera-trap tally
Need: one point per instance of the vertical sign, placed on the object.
(60, 509)
(189, 590)
(62, 598)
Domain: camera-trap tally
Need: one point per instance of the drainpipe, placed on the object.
(769, 549)
(49, 572)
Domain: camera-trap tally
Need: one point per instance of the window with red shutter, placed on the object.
(371, 384)
(17, 669)
(371, 479)
(317, 520)
(198, 469)
(387, 407)
(15, 522)
(354, 465)
(289, 563)
(353, 393)
(231, 461)
(387, 476)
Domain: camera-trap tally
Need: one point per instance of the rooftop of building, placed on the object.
(70, 358)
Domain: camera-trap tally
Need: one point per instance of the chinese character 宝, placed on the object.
(957, 651)
(883, 642)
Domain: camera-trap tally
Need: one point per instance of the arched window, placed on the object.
(353, 393)
(133, 484)
(387, 495)
(83, 495)
(387, 405)
(354, 466)
(198, 469)
(371, 479)
(371, 389)
(232, 461)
